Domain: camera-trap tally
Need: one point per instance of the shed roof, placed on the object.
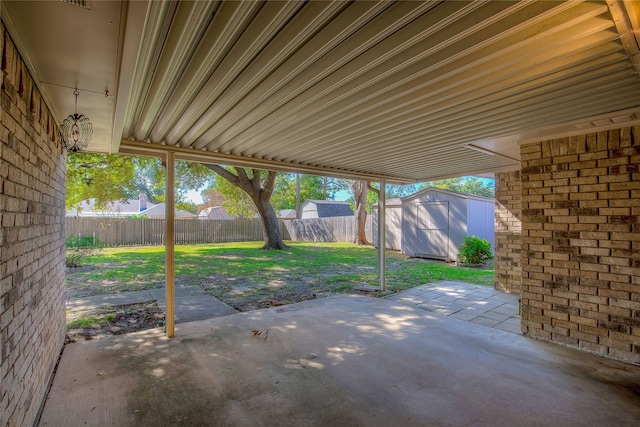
(390, 203)
(330, 208)
(426, 191)
(287, 213)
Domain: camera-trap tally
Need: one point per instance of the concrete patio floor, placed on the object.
(478, 304)
(345, 360)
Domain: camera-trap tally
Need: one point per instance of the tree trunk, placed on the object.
(260, 193)
(271, 226)
(360, 189)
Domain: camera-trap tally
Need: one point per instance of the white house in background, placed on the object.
(157, 212)
(129, 208)
(324, 209)
(215, 212)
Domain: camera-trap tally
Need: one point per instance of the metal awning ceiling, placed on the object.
(407, 91)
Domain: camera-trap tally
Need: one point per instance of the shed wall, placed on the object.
(309, 211)
(32, 241)
(408, 240)
(393, 239)
(411, 224)
(480, 220)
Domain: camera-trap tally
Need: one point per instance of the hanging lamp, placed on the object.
(76, 130)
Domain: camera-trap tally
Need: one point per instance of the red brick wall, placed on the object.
(32, 284)
(508, 229)
(581, 241)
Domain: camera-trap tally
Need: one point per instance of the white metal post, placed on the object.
(382, 231)
(170, 244)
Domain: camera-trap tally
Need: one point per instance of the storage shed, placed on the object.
(435, 222)
(393, 233)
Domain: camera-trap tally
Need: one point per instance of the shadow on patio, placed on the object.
(337, 361)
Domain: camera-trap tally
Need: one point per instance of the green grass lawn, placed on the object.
(239, 273)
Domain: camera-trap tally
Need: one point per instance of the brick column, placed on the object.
(508, 227)
(581, 241)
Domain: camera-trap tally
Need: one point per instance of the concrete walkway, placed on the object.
(337, 361)
(192, 302)
(477, 304)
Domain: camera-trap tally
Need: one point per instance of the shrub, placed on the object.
(80, 249)
(77, 257)
(475, 250)
(80, 241)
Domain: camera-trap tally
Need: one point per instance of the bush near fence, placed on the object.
(146, 231)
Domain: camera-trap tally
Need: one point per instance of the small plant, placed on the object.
(81, 241)
(77, 257)
(475, 250)
(80, 249)
(89, 321)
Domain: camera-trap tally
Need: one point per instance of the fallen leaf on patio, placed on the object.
(257, 333)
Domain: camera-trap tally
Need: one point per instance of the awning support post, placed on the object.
(170, 244)
(382, 230)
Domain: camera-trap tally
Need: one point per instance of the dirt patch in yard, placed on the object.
(245, 295)
(116, 320)
(249, 279)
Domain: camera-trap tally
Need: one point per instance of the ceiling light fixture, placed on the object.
(76, 130)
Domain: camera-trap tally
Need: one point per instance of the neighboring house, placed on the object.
(214, 212)
(129, 208)
(324, 209)
(157, 212)
(87, 208)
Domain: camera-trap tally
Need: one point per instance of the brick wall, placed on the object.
(581, 241)
(32, 194)
(508, 226)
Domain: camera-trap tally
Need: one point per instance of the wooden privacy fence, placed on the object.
(334, 229)
(146, 231)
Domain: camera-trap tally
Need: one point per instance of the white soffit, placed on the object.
(67, 45)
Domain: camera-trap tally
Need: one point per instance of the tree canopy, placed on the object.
(391, 192)
(237, 202)
(104, 177)
(111, 177)
(465, 184)
(311, 188)
(258, 185)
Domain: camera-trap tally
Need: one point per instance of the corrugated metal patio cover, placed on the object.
(402, 90)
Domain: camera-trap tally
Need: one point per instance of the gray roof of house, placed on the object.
(329, 208)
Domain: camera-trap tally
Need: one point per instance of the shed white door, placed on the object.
(432, 229)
